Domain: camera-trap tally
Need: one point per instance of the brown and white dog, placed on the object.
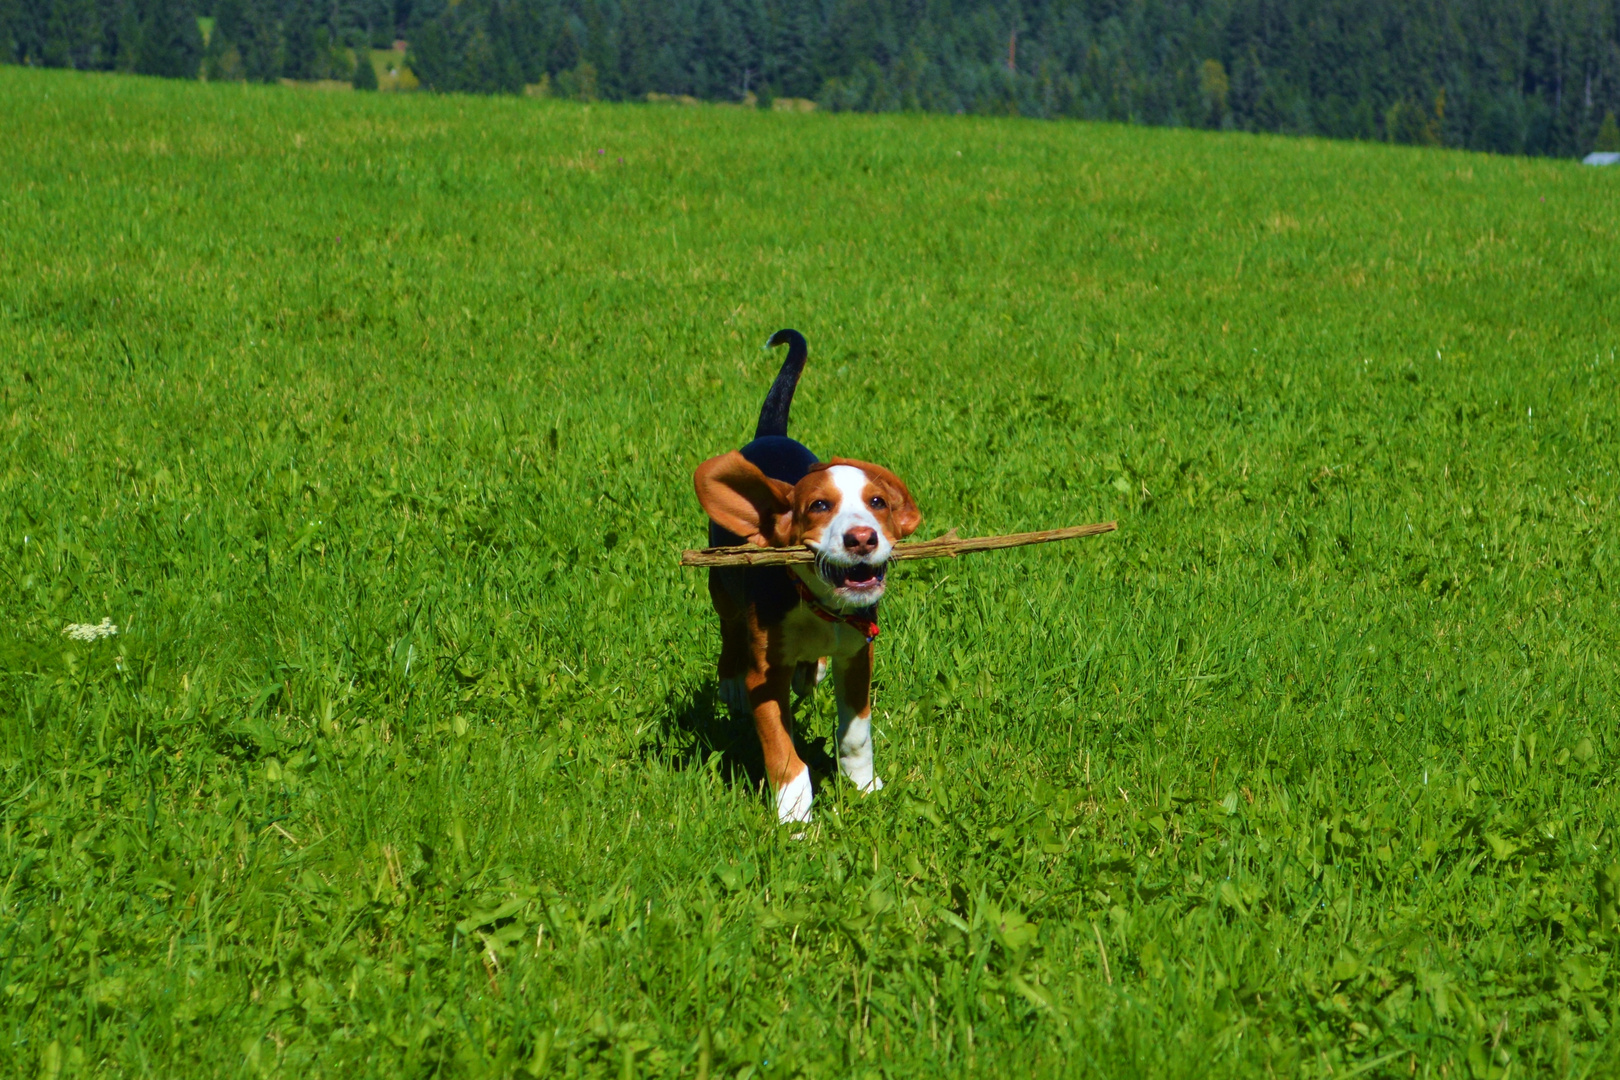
(782, 627)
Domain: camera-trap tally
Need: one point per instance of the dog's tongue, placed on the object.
(860, 574)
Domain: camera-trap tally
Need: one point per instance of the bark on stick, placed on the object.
(948, 546)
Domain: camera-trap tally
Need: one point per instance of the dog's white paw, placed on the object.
(861, 775)
(793, 800)
(733, 694)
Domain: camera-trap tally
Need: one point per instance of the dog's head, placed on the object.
(850, 513)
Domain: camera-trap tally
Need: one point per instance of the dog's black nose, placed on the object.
(860, 540)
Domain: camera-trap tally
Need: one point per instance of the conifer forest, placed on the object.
(1509, 76)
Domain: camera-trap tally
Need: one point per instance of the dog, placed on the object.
(783, 627)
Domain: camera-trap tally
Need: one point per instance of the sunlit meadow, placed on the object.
(356, 719)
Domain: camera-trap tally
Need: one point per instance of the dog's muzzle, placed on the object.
(852, 579)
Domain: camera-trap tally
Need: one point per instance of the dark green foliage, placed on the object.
(246, 41)
(222, 58)
(370, 423)
(259, 41)
(11, 17)
(127, 41)
(303, 42)
(170, 43)
(1409, 122)
(365, 75)
(1515, 76)
(1608, 136)
(470, 48)
(71, 33)
(578, 83)
(373, 19)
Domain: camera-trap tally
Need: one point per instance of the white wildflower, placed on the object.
(82, 631)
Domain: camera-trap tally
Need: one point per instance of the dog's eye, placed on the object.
(876, 502)
(820, 506)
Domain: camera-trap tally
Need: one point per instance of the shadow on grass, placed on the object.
(697, 726)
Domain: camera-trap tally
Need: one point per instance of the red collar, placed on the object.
(867, 626)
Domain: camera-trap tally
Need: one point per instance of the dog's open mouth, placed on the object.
(860, 577)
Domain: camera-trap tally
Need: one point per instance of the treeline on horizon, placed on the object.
(1508, 76)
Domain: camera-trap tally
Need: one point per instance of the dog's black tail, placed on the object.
(773, 415)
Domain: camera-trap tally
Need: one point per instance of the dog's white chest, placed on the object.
(807, 636)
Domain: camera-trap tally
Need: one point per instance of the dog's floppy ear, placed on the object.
(741, 499)
(902, 507)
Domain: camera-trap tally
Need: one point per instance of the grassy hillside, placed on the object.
(369, 422)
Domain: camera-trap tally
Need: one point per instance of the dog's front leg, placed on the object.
(853, 681)
(788, 774)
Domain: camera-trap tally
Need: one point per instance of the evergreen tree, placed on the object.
(70, 33)
(128, 52)
(601, 50)
(365, 75)
(222, 58)
(431, 56)
(301, 43)
(1215, 86)
(412, 15)
(1501, 128)
(1608, 136)
(170, 43)
(1408, 122)
(10, 27)
(377, 18)
(504, 75)
(228, 20)
(566, 51)
(1518, 76)
(258, 41)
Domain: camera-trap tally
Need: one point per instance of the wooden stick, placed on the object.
(948, 546)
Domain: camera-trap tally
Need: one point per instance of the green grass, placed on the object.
(370, 422)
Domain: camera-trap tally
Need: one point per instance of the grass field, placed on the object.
(369, 422)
